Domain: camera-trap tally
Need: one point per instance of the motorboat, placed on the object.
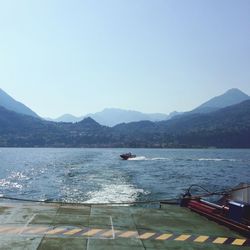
(127, 156)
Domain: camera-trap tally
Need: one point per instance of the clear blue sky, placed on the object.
(148, 55)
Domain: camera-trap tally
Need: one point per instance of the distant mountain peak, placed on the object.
(230, 97)
(67, 118)
(113, 116)
(89, 121)
(234, 90)
(236, 93)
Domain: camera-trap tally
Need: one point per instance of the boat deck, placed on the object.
(54, 226)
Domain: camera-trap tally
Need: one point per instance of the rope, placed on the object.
(196, 185)
(239, 188)
(172, 201)
(167, 201)
(209, 193)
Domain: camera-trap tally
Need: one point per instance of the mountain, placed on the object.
(227, 127)
(8, 102)
(18, 130)
(68, 118)
(88, 124)
(26, 131)
(112, 116)
(235, 116)
(16, 123)
(231, 97)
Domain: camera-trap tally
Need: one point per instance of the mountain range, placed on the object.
(228, 127)
(113, 116)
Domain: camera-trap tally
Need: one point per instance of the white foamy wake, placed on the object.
(215, 159)
(9, 184)
(120, 193)
(13, 181)
(18, 176)
(159, 159)
(138, 158)
(143, 158)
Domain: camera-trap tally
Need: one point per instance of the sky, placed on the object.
(79, 57)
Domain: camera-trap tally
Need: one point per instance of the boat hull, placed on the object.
(127, 156)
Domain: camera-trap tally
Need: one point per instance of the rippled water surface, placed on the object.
(98, 175)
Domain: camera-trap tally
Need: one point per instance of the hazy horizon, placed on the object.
(60, 57)
(115, 108)
(106, 108)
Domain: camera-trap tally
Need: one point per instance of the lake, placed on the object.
(99, 175)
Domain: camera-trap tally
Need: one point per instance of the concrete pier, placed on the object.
(56, 226)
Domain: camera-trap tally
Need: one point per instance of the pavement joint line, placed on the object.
(88, 244)
(88, 239)
(98, 233)
(27, 223)
(13, 212)
(112, 227)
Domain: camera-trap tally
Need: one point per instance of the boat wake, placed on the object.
(120, 193)
(160, 159)
(138, 158)
(216, 159)
(144, 158)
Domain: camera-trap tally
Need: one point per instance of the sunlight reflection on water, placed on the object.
(99, 175)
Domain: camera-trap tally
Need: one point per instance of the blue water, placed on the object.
(98, 175)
